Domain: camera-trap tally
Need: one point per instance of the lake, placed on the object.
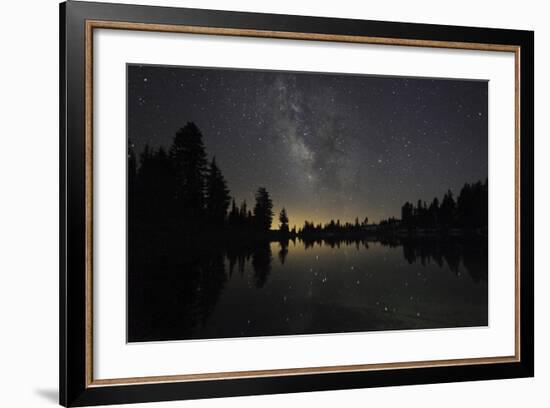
(308, 287)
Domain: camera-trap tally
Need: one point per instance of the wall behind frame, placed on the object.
(29, 202)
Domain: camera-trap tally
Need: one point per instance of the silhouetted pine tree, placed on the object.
(407, 215)
(217, 196)
(469, 211)
(155, 186)
(433, 213)
(243, 216)
(189, 161)
(447, 210)
(233, 217)
(485, 204)
(283, 220)
(263, 210)
(472, 205)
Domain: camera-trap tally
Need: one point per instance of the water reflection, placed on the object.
(310, 286)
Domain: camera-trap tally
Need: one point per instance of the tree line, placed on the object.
(179, 188)
(334, 228)
(468, 211)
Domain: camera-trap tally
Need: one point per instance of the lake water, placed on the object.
(301, 287)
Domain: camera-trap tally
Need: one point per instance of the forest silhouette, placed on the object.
(179, 192)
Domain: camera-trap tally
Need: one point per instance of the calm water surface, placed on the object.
(284, 289)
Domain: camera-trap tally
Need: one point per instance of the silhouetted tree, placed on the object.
(155, 186)
(239, 217)
(433, 212)
(233, 217)
(263, 210)
(283, 219)
(189, 161)
(485, 205)
(407, 215)
(472, 205)
(469, 211)
(447, 210)
(244, 218)
(335, 228)
(390, 223)
(217, 196)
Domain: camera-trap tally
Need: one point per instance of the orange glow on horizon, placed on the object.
(297, 219)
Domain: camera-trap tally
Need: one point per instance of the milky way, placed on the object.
(324, 145)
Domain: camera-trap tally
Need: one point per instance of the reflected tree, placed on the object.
(261, 263)
(283, 251)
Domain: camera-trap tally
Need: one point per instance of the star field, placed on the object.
(324, 145)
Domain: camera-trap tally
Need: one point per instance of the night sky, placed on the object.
(326, 146)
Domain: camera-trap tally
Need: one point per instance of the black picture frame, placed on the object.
(75, 387)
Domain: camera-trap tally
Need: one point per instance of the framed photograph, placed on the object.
(256, 203)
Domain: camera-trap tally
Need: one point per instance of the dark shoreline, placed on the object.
(169, 241)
